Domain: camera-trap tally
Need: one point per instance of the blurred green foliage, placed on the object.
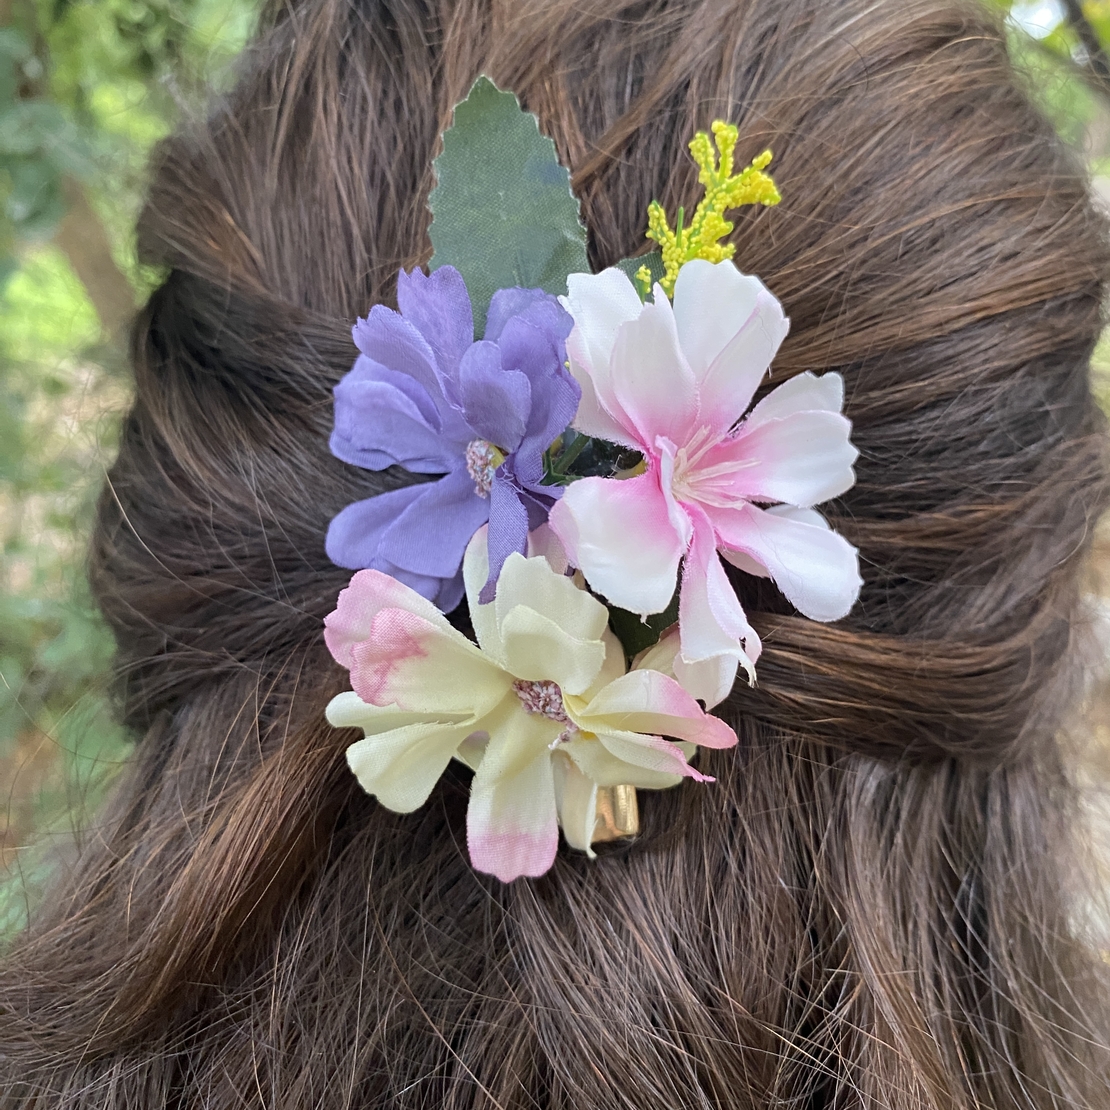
(86, 88)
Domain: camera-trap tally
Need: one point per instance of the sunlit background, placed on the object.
(86, 88)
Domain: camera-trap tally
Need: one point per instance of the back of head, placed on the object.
(873, 904)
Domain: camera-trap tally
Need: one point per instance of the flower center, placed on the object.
(482, 459)
(713, 484)
(545, 699)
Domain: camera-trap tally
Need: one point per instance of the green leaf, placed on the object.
(502, 210)
(637, 633)
(28, 125)
(14, 45)
(35, 203)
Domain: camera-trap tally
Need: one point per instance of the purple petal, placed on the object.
(366, 369)
(378, 425)
(355, 534)
(541, 355)
(550, 317)
(508, 530)
(494, 402)
(539, 506)
(438, 306)
(431, 535)
(555, 394)
(533, 304)
(388, 339)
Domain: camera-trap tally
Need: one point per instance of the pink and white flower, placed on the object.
(673, 382)
(541, 707)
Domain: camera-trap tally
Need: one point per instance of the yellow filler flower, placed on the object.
(723, 191)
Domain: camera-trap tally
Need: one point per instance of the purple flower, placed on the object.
(425, 396)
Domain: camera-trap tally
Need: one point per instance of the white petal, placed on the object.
(537, 649)
(651, 702)
(815, 568)
(743, 561)
(599, 305)
(400, 767)
(619, 534)
(802, 393)
(712, 302)
(532, 583)
(611, 669)
(592, 418)
(483, 618)
(576, 803)
(601, 767)
(710, 620)
(802, 516)
(650, 753)
(540, 625)
(661, 655)
(472, 749)
(709, 680)
(348, 710)
(512, 826)
(731, 381)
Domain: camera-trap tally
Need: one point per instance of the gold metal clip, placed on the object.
(618, 813)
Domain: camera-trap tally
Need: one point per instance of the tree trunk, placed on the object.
(83, 240)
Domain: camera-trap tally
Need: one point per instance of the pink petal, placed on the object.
(727, 387)
(543, 542)
(651, 379)
(512, 827)
(620, 535)
(815, 568)
(742, 561)
(711, 622)
(650, 702)
(680, 522)
(802, 393)
(413, 663)
(368, 593)
(802, 459)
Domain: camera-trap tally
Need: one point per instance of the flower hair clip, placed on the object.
(592, 462)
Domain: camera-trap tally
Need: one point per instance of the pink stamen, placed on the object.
(482, 459)
(545, 699)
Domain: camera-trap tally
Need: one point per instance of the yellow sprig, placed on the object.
(723, 192)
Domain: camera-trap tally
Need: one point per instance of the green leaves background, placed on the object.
(86, 88)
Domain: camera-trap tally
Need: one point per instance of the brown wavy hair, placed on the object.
(876, 904)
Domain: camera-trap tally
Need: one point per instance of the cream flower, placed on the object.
(541, 708)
